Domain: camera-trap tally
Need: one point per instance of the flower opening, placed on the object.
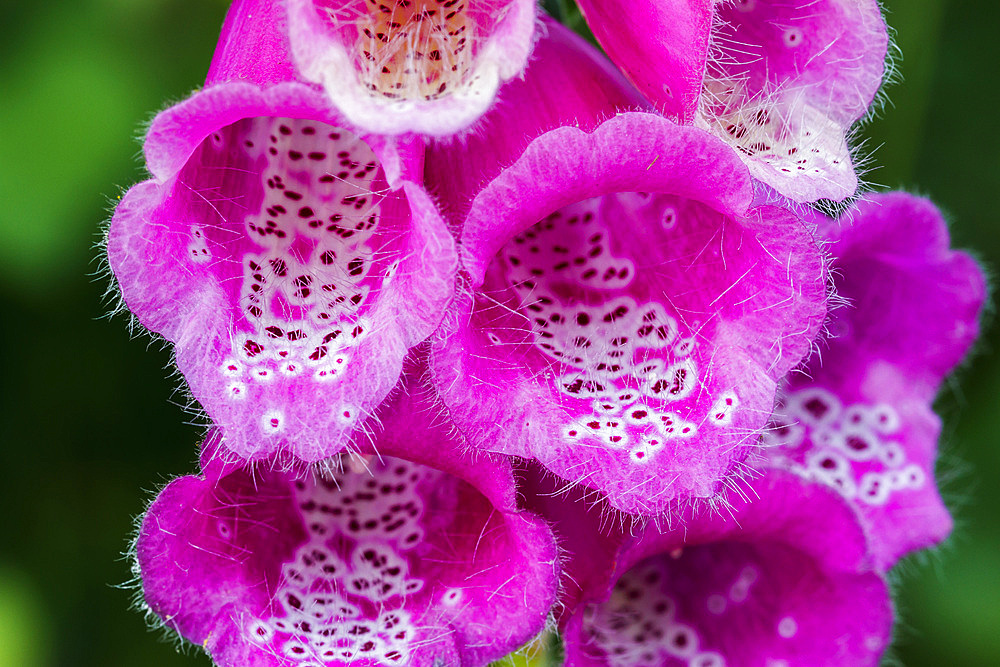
(395, 563)
(430, 66)
(628, 341)
(282, 263)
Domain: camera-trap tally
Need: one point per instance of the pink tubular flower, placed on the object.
(783, 579)
(415, 556)
(629, 312)
(860, 419)
(781, 82)
(291, 260)
(427, 66)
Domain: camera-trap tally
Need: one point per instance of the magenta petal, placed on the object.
(420, 66)
(661, 46)
(291, 262)
(253, 45)
(783, 579)
(630, 315)
(860, 419)
(832, 51)
(389, 562)
(923, 318)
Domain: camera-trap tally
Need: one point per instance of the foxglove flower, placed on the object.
(782, 82)
(860, 418)
(782, 576)
(394, 66)
(628, 312)
(291, 259)
(416, 557)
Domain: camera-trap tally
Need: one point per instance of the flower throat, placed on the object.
(415, 49)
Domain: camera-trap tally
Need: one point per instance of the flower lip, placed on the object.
(908, 237)
(177, 132)
(784, 84)
(426, 66)
(369, 564)
(768, 45)
(632, 152)
(780, 82)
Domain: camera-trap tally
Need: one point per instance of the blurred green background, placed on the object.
(93, 423)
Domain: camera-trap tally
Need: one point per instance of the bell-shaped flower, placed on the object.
(860, 416)
(782, 82)
(291, 259)
(412, 553)
(396, 66)
(628, 312)
(780, 576)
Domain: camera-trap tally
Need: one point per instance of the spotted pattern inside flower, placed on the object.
(788, 135)
(308, 258)
(198, 249)
(342, 595)
(629, 357)
(415, 49)
(639, 626)
(854, 448)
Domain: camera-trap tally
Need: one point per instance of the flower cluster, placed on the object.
(497, 337)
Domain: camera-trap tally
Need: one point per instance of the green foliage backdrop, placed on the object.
(92, 423)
